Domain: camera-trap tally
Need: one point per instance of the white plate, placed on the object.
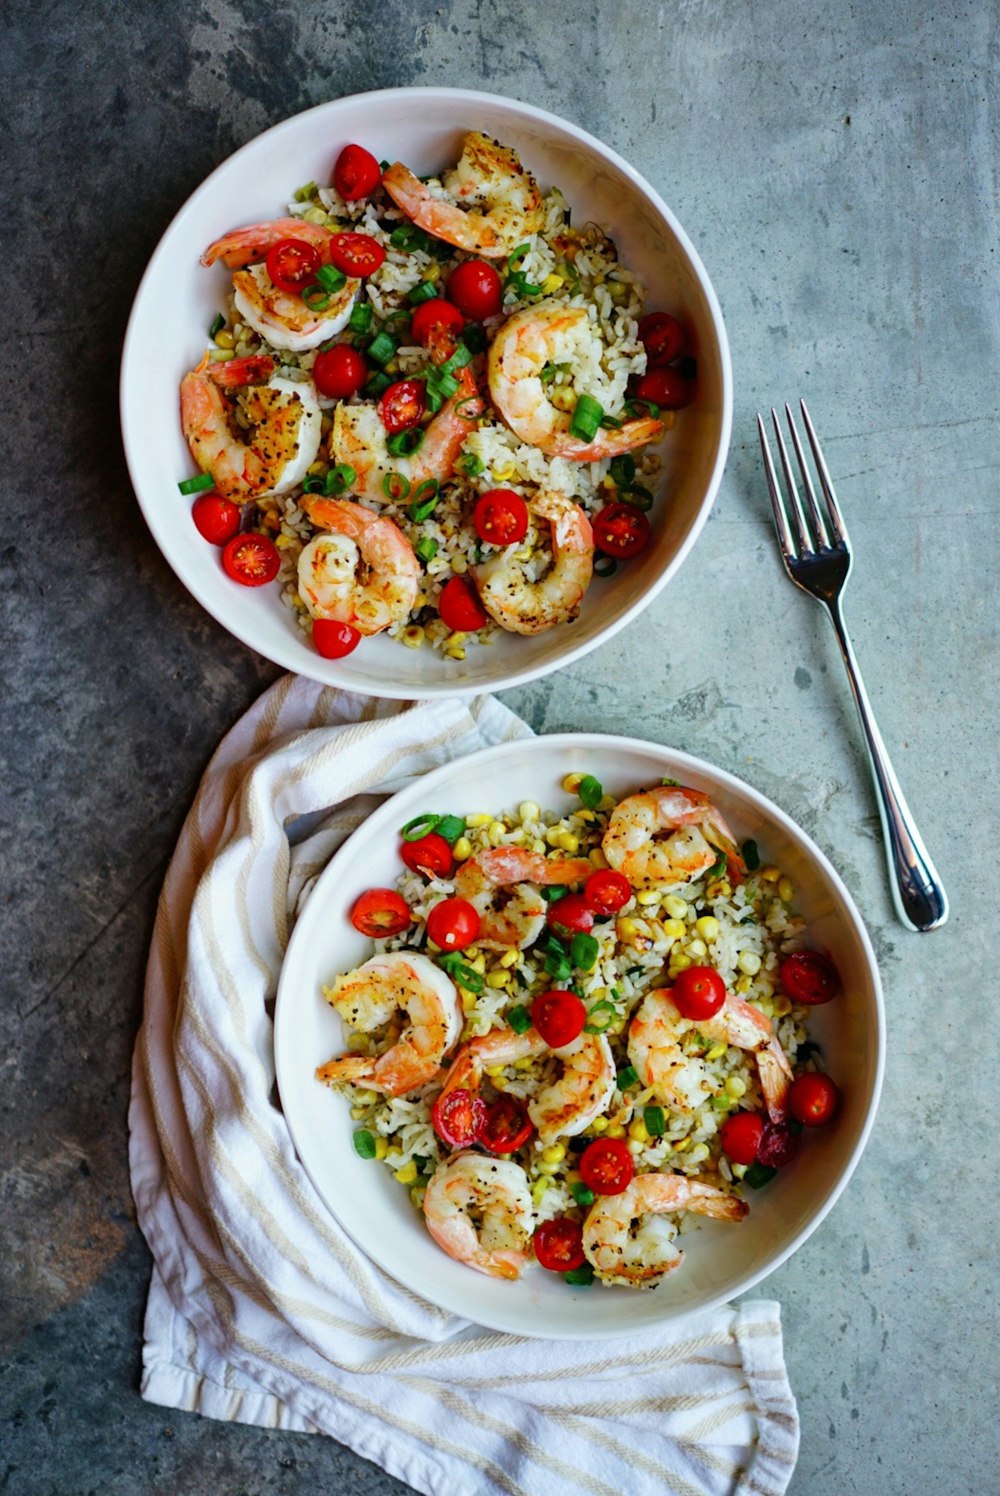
(720, 1260)
(178, 299)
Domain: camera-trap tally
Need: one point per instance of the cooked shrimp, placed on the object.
(282, 319)
(552, 333)
(478, 1210)
(668, 836)
(371, 997)
(362, 571)
(497, 883)
(564, 1107)
(656, 1048)
(525, 607)
(283, 421)
(487, 173)
(624, 1241)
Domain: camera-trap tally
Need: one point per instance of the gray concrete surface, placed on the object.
(837, 169)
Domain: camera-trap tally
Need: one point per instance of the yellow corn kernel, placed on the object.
(498, 979)
(572, 783)
(468, 1000)
(524, 1064)
(477, 819)
(454, 652)
(224, 338)
(638, 1131)
(417, 1194)
(478, 963)
(538, 845)
(673, 929)
(606, 802)
(381, 1146)
(573, 1176)
(493, 1071)
(528, 811)
(717, 1051)
(413, 636)
(648, 897)
(568, 842)
(314, 215)
(552, 835)
(357, 1112)
(721, 889)
(681, 1144)
(358, 1043)
(599, 1124)
(366, 1098)
(615, 1130)
(743, 984)
(736, 1085)
(295, 599)
(786, 890)
(284, 541)
(707, 926)
(504, 472)
(587, 816)
(431, 272)
(699, 1152)
(547, 1168)
(676, 907)
(627, 928)
(635, 1147)
(496, 831)
(748, 962)
(598, 858)
(679, 962)
(552, 282)
(765, 987)
(770, 874)
(538, 1190)
(738, 1170)
(220, 355)
(643, 1097)
(782, 1006)
(563, 397)
(554, 1153)
(696, 949)
(462, 850)
(509, 959)
(407, 1174)
(470, 953)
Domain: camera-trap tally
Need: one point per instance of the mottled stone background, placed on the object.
(837, 169)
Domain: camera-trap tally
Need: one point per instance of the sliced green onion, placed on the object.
(605, 566)
(622, 469)
(314, 484)
(405, 443)
(383, 167)
(382, 347)
(552, 891)
(522, 285)
(518, 254)
(217, 325)
(581, 1194)
(758, 1175)
(314, 296)
(718, 867)
(339, 479)
(656, 1122)
(583, 951)
(642, 408)
(303, 194)
(580, 1277)
(441, 384)
(396, 487)
(426, 548)
(458, 360)
(361, 317)
(197, 485)
(406, 236)
(469, 408)
(464, 975)
(396, 320)
(451, 828)
(474, 337)
(559, 966)
(586, 418)
(590, 791)
(751, 856)
(422, 291)
(549, 371)
(519, 1019)
(611, 423)
(425, 499)
(471, 465)
(670, 783)
(378, 384)
(723, 1103)
(364, 1143)
(421, 825)
(627, 1077)
(330, 278)
(600, 1018)
(635, 493)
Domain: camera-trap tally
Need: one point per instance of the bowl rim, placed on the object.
(286, 654)
(605, 743)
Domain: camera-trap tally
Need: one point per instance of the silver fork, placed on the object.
(817, 556)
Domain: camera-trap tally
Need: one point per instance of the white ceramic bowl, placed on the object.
(178, 299)
(721, 1260)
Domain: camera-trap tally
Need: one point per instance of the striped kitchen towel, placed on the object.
(261, 1308)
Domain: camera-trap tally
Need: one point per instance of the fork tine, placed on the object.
(805, 543)
(817, 518)
(837, 527)
(777, 507)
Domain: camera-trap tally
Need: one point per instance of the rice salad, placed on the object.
(416, 385)
(622, 1036)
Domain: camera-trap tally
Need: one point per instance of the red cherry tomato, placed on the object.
(429, 854)
(476, 289)
(436, 319)
(740, 1136)
(606, 891)
(507, 1127)
(500, 517)
(809, 977)
(699, 992)
(251, 559)
(621, 530)
(334, 640)
(460, 607)
(453, 924)
(292, 264)
(459, 1117)
(559, 1245)
(813, 1099)
(571, 913)
(662, 336)
(356, 173)
(665, 387)
(559, 1017)
(216, 519)
(356, 254)
(778, 1145)
(339, 372)
(402, 405)
(606, 1166)
(381, 912)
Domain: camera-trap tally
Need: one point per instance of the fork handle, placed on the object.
(917, 891)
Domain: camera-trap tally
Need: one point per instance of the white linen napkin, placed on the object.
(261, 1309)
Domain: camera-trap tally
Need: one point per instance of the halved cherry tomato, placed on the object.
(500, 517)
(476, 289)
(607, 891)
(699, 992)
(216, 519)
(460, 607)
(740, 1136)
(813, 1098)
(778, 1145)
(251, 559)
(621, 530)
(356, 254)
(559, 1244)
(434, 319)
(453, 924)
(559, 1017)
(402, 405)
(665, 387)
(381, 912)
(606, 1166)
(662, 336)
(334, 640)
(507, 1127)
(339, 372)
(292, 264)
(429, 854)
(809, 977)
(458, 1117)
(356, 173)
(572, 913)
